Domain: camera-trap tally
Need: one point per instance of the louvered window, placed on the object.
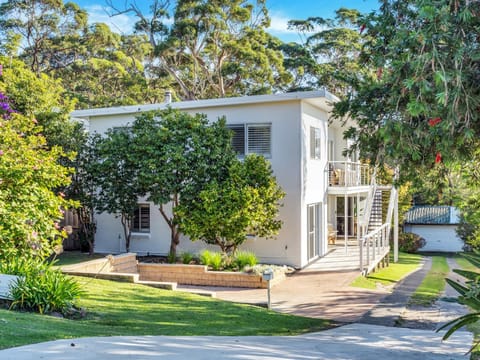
(238, 138)
(252, 139)
(315, 143)
(141, 219)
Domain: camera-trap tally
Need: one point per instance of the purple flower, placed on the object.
(1, 69)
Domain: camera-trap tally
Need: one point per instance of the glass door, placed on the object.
(313, 233)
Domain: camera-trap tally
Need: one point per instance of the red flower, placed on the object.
(379, 73)
(438, 158)
(434, 121)
(362, 28)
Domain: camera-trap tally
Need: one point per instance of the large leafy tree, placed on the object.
(420, 108)
(30, 209)
(115, 176)
(95, 65)
(177, 154)
(40, 23)
(329, 57)
(213, 48)
(245, 202)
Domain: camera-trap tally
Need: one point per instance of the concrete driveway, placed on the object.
(355, 341)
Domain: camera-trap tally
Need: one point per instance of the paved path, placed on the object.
(391, 307)
(355, 341)
(317, 295)
(442, 311)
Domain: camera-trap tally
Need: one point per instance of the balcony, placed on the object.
(348, 174)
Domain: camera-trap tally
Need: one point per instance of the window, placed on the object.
(238, 138)
(141, 219)
(251, 139)
(315, 143)
(313, 230)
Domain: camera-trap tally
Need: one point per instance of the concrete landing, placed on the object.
(339, 259)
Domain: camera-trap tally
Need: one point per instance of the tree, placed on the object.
(213, 48)
(177, 154)
(420, 108)
(115, 175)
(226, 211)
(39, 22)
(30, 210)
(84, 186)
(330, 57)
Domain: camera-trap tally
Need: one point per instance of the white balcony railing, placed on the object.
(346, 173)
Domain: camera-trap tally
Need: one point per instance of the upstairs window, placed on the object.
(141, 219)
(315, 143)
(252, 139)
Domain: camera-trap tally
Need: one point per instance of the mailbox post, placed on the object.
(268, 276)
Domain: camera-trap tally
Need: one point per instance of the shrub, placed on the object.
(40, 287)
(186, 257)
(245, 258)
(211, 259)
(410, 242)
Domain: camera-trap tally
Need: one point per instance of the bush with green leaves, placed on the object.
(245, 258)
(410, 242)
(40, 287)
(187, 257)
(211, 259)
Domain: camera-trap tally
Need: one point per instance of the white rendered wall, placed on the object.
(441, 238)
(314, 186)
(285, 118)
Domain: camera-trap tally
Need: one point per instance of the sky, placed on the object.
(280, 12)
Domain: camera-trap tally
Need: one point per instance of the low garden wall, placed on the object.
(126, 267)
(200, 275)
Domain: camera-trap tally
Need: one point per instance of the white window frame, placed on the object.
(315, 143)
(247, 148)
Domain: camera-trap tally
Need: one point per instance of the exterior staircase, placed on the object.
(376, 214)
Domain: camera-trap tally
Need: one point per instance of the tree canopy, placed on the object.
(420, 108)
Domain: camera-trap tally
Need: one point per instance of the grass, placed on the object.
(75, 257)
(391, 274)
(130, 309)
(433, 284)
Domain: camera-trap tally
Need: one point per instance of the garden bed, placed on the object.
(127, 268)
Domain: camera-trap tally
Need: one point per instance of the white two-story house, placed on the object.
(329, 198)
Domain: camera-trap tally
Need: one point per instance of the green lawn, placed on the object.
(391, 274)
(75, 257)
(130, 309)
(433, 284)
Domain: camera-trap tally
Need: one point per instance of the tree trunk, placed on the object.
(175, 240)
(126, 231)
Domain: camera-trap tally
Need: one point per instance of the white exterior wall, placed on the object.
(441, 238)
(314, 176)
(286, 135)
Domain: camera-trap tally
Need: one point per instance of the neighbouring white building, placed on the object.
(331, 202)
(437, 225)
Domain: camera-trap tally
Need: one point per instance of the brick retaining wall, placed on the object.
(199, 275)
(126, 264)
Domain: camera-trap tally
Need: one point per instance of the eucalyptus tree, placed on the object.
(329, 56)
(40, 23)
(213, 48)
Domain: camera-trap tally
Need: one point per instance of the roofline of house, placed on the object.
(193, 104)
